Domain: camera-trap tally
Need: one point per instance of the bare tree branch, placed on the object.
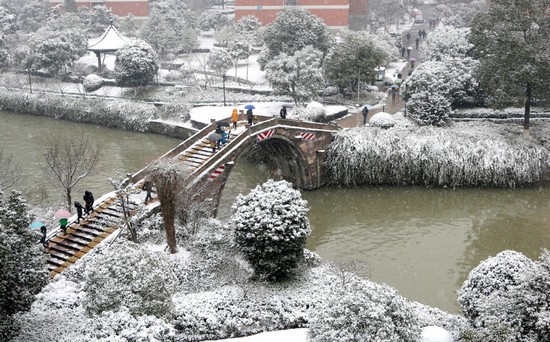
(69, 161)
(10, 174)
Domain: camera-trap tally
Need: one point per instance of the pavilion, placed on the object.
(109, 42)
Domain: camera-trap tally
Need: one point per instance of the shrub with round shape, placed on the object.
(130, 275)
(365, 311)
(271, 228)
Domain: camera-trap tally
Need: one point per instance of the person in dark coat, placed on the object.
(282, 113)
(424, 34)
(417, 40)
(79, 208)
(219, 141)
(403, 49)
(148, 187)
(408, 37)
(89, 202)
(249, 116)
(43, 240)
(365, 114)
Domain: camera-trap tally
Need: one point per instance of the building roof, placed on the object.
(111, 40)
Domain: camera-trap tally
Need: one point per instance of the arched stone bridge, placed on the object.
(294, 150)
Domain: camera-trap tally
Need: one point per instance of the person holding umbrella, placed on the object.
(213, 138)
(249, 114)
(63, 216)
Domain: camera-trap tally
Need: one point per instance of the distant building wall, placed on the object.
(333, 12)
(120, 8)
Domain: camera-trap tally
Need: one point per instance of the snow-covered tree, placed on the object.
(460, 14)
(98, 19)
(353, 60)
(59, 43)
(227, 35)
(32, 14)
(212, 19)
(136, 64)
(447, 41)
(364, 311)
(169, 179)
(130, 275)
(499, 297)
(220, 60)
(271, 228)
(170, 28)
(509, 37)
(239, 50)
(384, 13)
(298, 75)
(249, 29)
(294, 29)
(437, 86)
(23, 270)
(8, 21)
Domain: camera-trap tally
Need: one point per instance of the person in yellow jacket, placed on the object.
(235, 117)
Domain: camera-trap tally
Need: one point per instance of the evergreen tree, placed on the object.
(23, 270)
(271, 228)
(136, 64)
(294, 29)
(510, 40)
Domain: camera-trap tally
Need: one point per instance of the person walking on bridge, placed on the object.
(88, 202)
(79, 209)
(282, 113)
(235, 117)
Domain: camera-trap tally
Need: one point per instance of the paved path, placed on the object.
(392, 107)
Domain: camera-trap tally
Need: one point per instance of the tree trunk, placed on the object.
(69, 199)
(527, 115)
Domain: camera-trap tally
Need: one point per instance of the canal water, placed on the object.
(421, 241)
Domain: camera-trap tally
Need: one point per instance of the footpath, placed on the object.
(355, 119)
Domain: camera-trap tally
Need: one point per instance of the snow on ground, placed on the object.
(292, 335)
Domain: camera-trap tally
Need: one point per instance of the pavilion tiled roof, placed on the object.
(111, 40)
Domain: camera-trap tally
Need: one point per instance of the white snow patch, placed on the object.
(292, 335)
(434, 333)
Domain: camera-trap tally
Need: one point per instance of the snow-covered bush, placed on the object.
(92, 82)
(494, 297)
(382, 120)
(314, 111)
(23, 270)
(271, 228)
(132, 276)
(364, 311)
(458, 156)
(429, 109)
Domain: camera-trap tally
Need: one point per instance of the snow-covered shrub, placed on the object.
(314, 111)
(494, 297)
(330, 91)
(271, 228)
(429, 108)
(458, 156)
(364, 311)
(132, 276)
(92, 82)
(23, 270)
(382, 120)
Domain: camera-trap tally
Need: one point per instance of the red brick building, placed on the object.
(335, 13)
(121, 8)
